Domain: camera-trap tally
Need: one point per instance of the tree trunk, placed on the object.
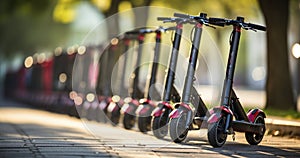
(279, 86)
(113, 30)
(113, 23)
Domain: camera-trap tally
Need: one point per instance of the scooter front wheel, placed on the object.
(216, 135)
(160, 126)
(178, 130)
(252, 138)
(128, 121)
(144, 123)
(115, 117)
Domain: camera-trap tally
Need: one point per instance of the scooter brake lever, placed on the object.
(253, 29)
(210, 26)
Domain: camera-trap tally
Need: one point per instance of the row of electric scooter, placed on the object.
(177, 114)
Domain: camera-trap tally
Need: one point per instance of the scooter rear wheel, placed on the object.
(252, 138)
(159, 126)
(216, 135)
(128, 121)
(178, 130)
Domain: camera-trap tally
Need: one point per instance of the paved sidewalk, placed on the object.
(26, 132)
(33, 133)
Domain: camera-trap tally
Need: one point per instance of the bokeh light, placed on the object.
(81, 50)
(62, 77)
(90, 97)
(58, 51)
(72, 95)
(41, 58)
(114, 41)
(124, 5)
(71, 50)
(296, 50)
(116, 98)
(28, 62)
(258, 73)
(78, 100)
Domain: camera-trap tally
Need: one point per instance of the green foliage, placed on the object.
(27, 26)
(289, 114)
(226, 8)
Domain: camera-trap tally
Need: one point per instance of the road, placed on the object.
(26, 132)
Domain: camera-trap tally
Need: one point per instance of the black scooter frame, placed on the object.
(251, 123)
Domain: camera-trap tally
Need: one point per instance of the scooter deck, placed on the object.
(244, 126)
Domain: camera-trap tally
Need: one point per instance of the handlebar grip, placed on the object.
(132, 32)
(180, 15)
(217, 21)
(257, 27)
(163, 18)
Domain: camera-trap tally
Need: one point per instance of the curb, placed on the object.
(281, 127)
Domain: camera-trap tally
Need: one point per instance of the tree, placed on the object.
(279, 85)
(113, 23)
(27, 26)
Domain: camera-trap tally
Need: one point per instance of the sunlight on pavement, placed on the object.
(21, 116)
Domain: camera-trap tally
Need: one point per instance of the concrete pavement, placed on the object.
(26, 132)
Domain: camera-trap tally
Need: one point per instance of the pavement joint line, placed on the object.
(28, 141)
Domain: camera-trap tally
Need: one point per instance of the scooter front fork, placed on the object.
(227, 124)
(183, 108)
(161, 109)
(189, 118)
(228, 129)
(219, 112)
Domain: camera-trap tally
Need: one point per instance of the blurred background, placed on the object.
(35, 27)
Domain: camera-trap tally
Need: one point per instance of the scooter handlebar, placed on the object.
(171, 20)
(202, 18)
(163, 29)
(257, 27)
(180, 15)
(140, 31)
(164, 19)
(217, 21)
(223, 22)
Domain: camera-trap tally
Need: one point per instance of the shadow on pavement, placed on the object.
(235, 149)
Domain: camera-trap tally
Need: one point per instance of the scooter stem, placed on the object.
(228, 82)
(172, 64)
(135, 88)
(153, 70)
(192, 64)
(123, 91)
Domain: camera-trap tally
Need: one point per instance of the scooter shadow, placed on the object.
(236, 149)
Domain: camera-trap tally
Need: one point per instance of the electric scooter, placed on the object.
(117, 100)
(191, 113)
(103, 88)
(160, 114)
(131, 103)
(221, 122)
(151, 93)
